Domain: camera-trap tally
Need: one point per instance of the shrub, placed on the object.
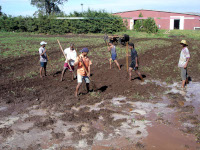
(147, 25)
(97, 22)
(150, 26)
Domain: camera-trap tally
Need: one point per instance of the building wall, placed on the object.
(187, 24)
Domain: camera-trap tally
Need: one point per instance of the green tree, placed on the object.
(147, 25)
(139, 24)
(1, 11)
(150, 26)
(48, 6)
(95, 22)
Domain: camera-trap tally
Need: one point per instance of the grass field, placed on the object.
(191, 34)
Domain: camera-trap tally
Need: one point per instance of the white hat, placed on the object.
(42, 43)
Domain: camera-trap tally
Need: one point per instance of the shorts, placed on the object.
(43, 64)
(133, 66)
(80, 79)
(66, 66)
(114, 56)
(183, 73)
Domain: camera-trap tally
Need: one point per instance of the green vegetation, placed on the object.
(138, 96)
(147, 25)
(184, 34)
(97, 22)
(49, 7)
(21, 44)
(141, 48)
(95, 94)
(151, 44)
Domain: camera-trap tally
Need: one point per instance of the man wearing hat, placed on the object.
(134, 62)
(43, 58)
(83, 69)
(183, 62)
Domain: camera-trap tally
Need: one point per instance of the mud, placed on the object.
(156, 114)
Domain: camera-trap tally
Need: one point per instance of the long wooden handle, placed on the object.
(48, 57)
(64, 55)
(127, 56)
(85, 68)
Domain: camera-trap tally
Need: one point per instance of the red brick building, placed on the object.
(164, 20)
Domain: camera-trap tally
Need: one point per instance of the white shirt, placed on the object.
(43, 58)
(71, 56)
(183, 57)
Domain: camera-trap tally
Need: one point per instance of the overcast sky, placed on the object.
(24, 8)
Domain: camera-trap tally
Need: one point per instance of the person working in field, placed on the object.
(134, 62)
(113, 52)
(71, 57)
(183, 62)
(43, 58)
(83, 70)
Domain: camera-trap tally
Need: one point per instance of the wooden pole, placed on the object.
(127, 56)
(49, 61)
(65, 56)
(85, 69)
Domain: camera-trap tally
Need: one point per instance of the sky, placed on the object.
(24, 8)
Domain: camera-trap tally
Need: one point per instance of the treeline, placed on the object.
(96, 22)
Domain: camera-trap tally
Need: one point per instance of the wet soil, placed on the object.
(116, 114)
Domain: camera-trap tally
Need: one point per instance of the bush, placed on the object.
(147, 25)
(97, 22)
(150, 26)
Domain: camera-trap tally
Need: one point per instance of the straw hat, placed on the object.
(183, 42)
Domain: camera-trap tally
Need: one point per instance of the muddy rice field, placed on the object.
(117, 114)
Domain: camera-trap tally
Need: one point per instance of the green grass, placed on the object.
(178, 33)
(143, 46)
(20, 44)
(95, 94)
(146, 69)
(138, 96)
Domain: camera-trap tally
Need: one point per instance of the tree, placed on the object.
(147, 25)
(0, 11)
(48, 6)
(139, 23)
(150, 26)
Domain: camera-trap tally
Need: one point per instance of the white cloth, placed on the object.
(71, 56)
(183, 57)
(43, 58)
(80, 79)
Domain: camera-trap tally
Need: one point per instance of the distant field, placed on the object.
(161, 34)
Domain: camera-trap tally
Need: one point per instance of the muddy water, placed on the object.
(129, 125)
(193, 96)
(165, 137)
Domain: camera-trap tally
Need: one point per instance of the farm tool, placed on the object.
(127, 56)
(92, 82)
(49, 61)
(65, 57)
